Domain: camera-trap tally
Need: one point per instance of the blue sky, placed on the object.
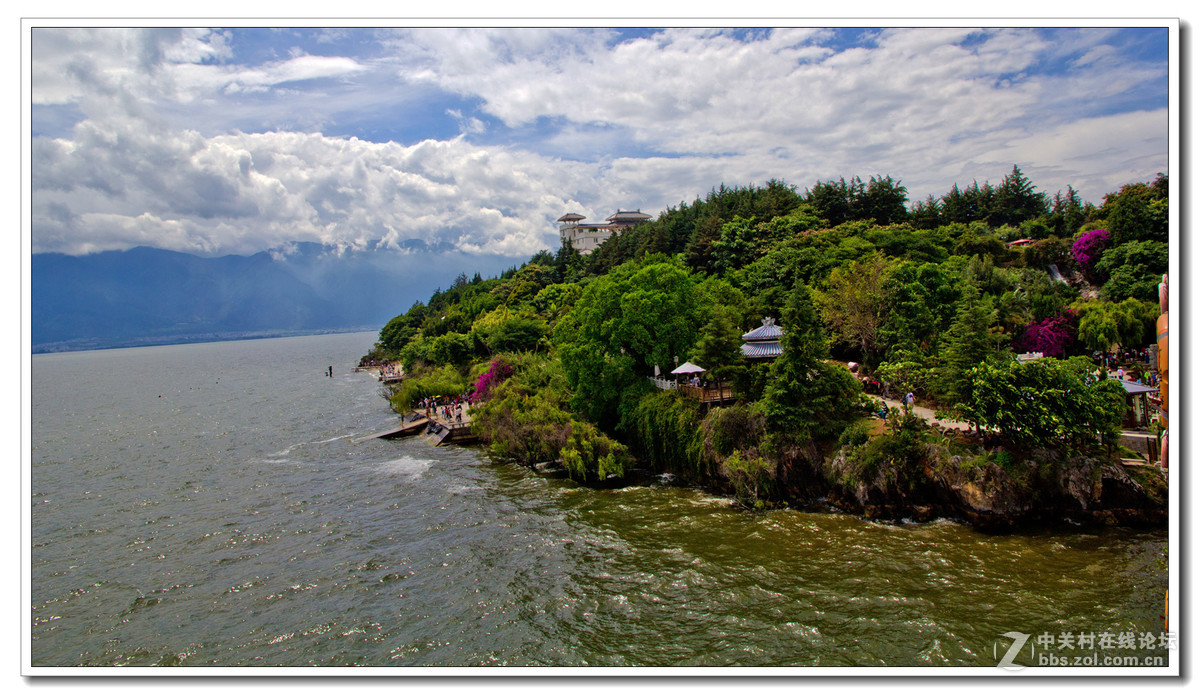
(234, 140)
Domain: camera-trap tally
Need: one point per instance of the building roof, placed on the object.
(1133, 387)
(637, 216)
(768, 331)
(761, 350)
(571, 217)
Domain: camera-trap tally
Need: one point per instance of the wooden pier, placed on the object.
(408, 427)
(435, 430)
(443, 431)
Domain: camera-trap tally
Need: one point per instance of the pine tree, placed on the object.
(719, 348)
(968, 344)
(807, 397)
(1017, 201)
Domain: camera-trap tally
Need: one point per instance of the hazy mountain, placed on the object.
(147, 295)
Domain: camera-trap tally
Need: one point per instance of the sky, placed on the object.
(238, 140)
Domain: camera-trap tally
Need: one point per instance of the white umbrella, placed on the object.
(688, 367)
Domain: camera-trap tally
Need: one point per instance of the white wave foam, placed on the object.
(406, 466)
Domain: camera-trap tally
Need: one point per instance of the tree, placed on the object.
(831, 200)
(622, 326)
(882, 200)
(1131, 220)
(1066, 213)
(1017, 201)
(736, 247)
(922, 301)
(855, 303)
(1045, 402)
(1134, 269)
(807, 397)
(568, 263)
(926, 214)
(968, 344)
(1138, 212)
(719, 347)
(907, 371)
(517, 334)
(1104, 325)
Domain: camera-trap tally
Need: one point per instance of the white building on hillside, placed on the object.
(586, 238)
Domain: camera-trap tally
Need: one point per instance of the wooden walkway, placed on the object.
(406, 428)
(711, 394)
(436, 430)
(449, 431)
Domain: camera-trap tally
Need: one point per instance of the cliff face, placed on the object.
(1040, 488)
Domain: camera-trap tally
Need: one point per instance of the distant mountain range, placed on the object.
(153, 296)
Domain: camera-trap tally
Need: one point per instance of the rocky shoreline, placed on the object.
(1037, 491)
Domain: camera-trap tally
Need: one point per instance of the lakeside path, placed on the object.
(929, 416)
(926, 414)
(439, 418)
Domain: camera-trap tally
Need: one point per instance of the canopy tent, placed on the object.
(688, 367)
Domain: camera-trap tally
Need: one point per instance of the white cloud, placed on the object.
(589, 123)
(917, 101)
(247, 192)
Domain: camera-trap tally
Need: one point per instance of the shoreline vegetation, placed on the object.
(558, 359)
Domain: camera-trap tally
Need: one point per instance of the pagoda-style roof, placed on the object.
(571, 217)
(768, 331)
(763, 342)
(627, 217)
(761, 350)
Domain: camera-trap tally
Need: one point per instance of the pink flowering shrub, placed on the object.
(498, 372)
(1051, 336)
(1087, 249)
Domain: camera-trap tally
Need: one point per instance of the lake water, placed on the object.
(208, 505)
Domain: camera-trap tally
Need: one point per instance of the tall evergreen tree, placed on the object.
(883, 200)
(807, 397)
(719, 347)
(968, 344)
(831, 200)
(926, 214)
(1017, 200)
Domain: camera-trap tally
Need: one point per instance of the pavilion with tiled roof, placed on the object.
(762, 343)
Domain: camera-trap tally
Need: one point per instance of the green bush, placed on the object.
(591, 456)
(750, 476)
(528, 425)
(856, 434)
(663, 430)
(892, 459)
(445, 381)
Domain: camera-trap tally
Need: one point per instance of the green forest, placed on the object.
(930, 297)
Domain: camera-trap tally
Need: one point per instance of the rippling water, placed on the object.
(208, 505)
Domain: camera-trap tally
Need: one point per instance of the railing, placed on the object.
(707, 393)
(701, 393)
